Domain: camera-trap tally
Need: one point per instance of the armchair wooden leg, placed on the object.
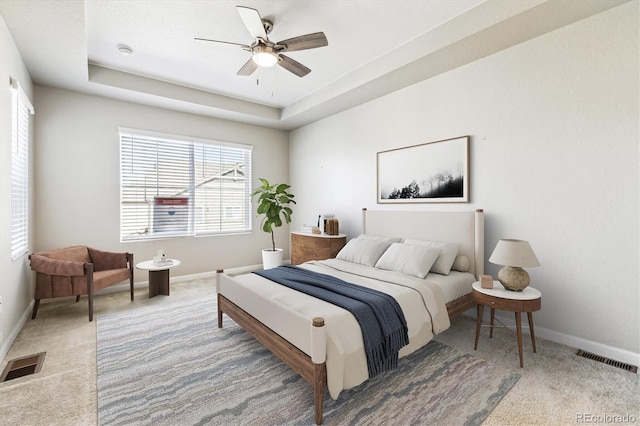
(77, 298)
(35, 309)
(89, 272)
(91, 306)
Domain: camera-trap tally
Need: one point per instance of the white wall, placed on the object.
(554, 125)
(16, 281)
(77, 178)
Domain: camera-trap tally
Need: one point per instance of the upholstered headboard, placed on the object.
(466, 228)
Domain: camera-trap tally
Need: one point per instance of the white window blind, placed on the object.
(174, 186)
(21, 110)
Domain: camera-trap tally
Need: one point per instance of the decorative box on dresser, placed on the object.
(306, 247)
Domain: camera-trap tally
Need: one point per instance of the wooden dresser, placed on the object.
(306, 247)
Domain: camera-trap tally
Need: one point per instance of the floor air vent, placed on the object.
(607, 361)
(20, 367)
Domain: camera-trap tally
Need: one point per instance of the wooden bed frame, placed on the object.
(464, 227)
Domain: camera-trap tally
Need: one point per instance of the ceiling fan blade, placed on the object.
(248, 68)
(293, 66)
(309, 41)
(244, 46)
(252, 21)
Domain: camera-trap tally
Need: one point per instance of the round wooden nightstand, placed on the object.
(528, 300)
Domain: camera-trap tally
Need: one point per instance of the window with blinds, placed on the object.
(21, 110)
(174, 186)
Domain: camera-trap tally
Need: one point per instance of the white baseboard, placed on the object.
(9, 339)
(601, 349)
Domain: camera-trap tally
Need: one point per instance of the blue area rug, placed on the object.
(170, 365)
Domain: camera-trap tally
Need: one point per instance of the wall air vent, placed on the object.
(622, 365)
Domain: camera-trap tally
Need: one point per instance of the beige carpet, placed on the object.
(556, 386)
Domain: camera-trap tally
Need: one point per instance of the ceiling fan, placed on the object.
(264, 52)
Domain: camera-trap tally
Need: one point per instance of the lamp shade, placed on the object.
(514, 253)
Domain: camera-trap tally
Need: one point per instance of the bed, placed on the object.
(316, 339)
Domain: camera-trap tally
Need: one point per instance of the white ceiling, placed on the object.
(375, 47)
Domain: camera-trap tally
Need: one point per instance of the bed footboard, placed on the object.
(314, 373)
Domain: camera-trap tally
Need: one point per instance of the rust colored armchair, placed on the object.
(78, 270)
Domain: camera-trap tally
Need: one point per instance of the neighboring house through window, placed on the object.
(21, 109)
(176, 186)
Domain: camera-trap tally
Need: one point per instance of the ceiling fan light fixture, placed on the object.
(264, 52)
(264, 56)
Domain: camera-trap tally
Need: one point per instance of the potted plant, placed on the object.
(273, 203)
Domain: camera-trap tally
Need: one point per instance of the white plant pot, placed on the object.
(271, 259)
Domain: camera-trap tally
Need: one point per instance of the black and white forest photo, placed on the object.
(434, 172)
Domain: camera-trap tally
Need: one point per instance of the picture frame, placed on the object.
(432, 172)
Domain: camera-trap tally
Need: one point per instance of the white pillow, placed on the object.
(409, 259)
(362, 251)
(446, 258)
(461, 263)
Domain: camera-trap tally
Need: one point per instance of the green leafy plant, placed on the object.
(273, 203)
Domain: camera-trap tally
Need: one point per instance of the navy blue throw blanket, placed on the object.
(384, 328)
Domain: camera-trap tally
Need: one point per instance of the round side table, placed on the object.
(158, 276)
(527, 300)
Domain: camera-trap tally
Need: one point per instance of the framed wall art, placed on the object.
(432, 172)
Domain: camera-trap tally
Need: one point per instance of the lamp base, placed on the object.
(513, 278)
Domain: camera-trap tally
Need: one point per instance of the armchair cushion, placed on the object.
(104, 260)
(46, 265)
(73, 253)
(102, 279)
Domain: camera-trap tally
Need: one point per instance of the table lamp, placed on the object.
(513, 255)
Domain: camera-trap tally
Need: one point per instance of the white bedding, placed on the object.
(289, 313)
(454, 285)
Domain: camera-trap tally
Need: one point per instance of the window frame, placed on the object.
(188, 216)
(21, 110)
